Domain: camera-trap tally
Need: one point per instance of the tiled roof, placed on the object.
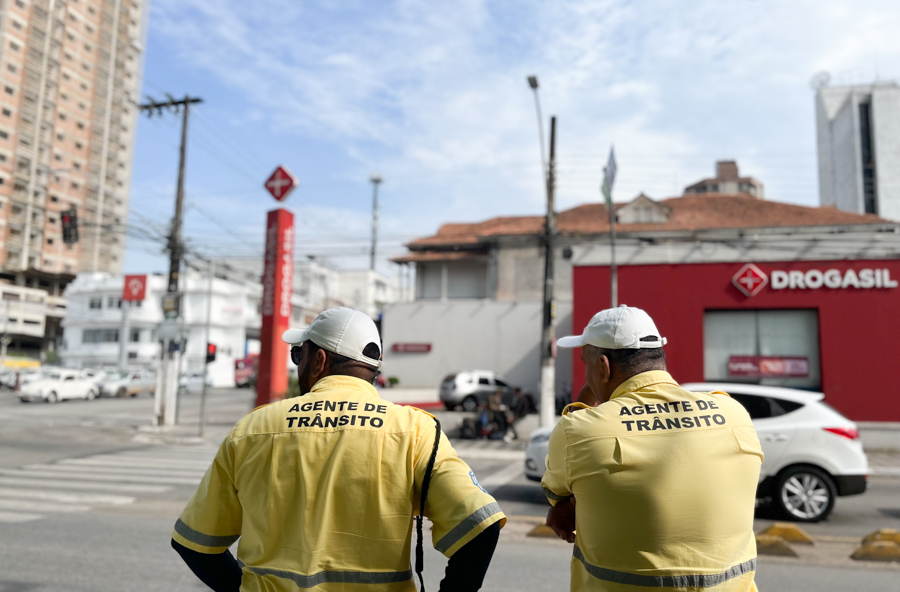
(688, 213)
(419, 256)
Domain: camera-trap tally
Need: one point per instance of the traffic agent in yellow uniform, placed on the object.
(656, 485)
(321, 490)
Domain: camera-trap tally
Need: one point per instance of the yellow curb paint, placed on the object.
(769, 544)
(542, 531)
(789, 532)
(878, 551)
(884, 534)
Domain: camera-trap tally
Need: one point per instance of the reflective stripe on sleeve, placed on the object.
(327, 577)
(206, 540)
(684, 581)
(466, 526)
(557, 498)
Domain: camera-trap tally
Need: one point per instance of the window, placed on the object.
(113, 302)
(773, 347)
(49, 241)
(54, 199)
(11, 68)
(62, 116)
(760, 407)
(7, 113)
(100, 336)
(17, 25)
(10, 90)
(134, 335)
(483, 380)
(499, 382)
(95, 303)
(79, 125)
(4, 135)
(14, 46)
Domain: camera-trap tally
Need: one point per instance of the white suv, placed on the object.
(471, 388)
(812, 453)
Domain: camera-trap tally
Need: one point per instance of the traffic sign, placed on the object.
(750, 280)
(281, 183)
(135, 288)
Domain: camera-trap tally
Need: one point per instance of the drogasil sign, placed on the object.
(750, 279)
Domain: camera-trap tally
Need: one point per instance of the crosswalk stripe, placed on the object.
(63, 483)
(19, 517)
(30, 506)
(65, 497)
(88, 469)
(32, 473)
(187, 454)
(113, 461)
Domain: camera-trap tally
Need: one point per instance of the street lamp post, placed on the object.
(376, 181)
(548, 333)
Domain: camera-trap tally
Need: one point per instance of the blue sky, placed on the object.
(433, 96)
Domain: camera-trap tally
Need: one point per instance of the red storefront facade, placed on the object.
(846, 314)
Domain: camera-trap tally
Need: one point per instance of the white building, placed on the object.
(858, 137)
(94, 323)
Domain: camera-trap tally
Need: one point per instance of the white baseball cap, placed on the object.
(617, 328)
(343, 331)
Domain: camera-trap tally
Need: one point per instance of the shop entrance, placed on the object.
(771, 347)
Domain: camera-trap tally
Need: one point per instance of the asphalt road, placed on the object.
(87, 503)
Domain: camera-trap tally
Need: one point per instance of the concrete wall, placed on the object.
(452, 279)
(469, 335)
(520, 273)
(886, 140)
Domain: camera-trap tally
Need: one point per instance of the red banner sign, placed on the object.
(767, 366)
(278, 282)
(135, 288)
(411, 348)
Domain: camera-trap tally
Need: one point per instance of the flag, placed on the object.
(609, 177)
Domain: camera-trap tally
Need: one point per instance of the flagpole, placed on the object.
(609, 179)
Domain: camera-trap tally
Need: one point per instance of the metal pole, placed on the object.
(548, 362)
(209, 296)
(614, 276)
(376, 180)
(123, 336)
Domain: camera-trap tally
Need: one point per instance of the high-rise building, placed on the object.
(858, 133)
(70, 74)
(727, 181)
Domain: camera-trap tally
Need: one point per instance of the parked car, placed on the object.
(8, 379)
(471, 388)
(57, 385)
(812, 453)
(129, 383)
(245, 371)
(192, 382)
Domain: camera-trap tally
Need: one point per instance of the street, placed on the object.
(88, 498)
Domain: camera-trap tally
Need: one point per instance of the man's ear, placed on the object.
(604, 367)
(319, 363)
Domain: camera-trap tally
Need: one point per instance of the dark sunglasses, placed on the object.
(295, 355)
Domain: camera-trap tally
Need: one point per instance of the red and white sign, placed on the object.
(750, 280)
(278, 281)
(281, 183)
(411, 348)
(767, 366)
(135, 288)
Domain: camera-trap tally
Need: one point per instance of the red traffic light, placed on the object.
(210, 352)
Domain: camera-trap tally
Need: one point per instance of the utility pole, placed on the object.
(209, 297)
(168, 394)
(548, 337)
(376, 181)
(548, 329)
(123, 336)
(4, 339)
(609, 179)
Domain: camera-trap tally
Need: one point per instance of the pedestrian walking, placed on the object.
(655, 485)
(324, 490)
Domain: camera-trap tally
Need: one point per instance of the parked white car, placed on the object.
(812, 453)
(192, 382)
(471, 388)
(130, 383)
(57, 385)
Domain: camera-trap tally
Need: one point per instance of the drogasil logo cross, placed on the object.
(750, 280)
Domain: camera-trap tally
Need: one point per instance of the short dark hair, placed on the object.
(343, 365)
(635, 361)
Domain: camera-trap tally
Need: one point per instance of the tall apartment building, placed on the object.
(858, 137)
(70, 74)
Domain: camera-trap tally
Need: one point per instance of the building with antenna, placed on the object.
(858, 141)
(71, 75)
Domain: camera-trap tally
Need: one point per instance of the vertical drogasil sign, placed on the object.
(834, 279)
(278, 279)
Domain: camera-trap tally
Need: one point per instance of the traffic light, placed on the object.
(210, 352)
(70, 226)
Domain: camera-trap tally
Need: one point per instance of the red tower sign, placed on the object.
(750, 280)
(278, 285)
(281, 183)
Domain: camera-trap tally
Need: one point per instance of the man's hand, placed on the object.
(561, 518)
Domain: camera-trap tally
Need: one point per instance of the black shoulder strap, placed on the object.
(426, 482)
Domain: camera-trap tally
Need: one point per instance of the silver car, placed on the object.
(471, 388)
(130, 383)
